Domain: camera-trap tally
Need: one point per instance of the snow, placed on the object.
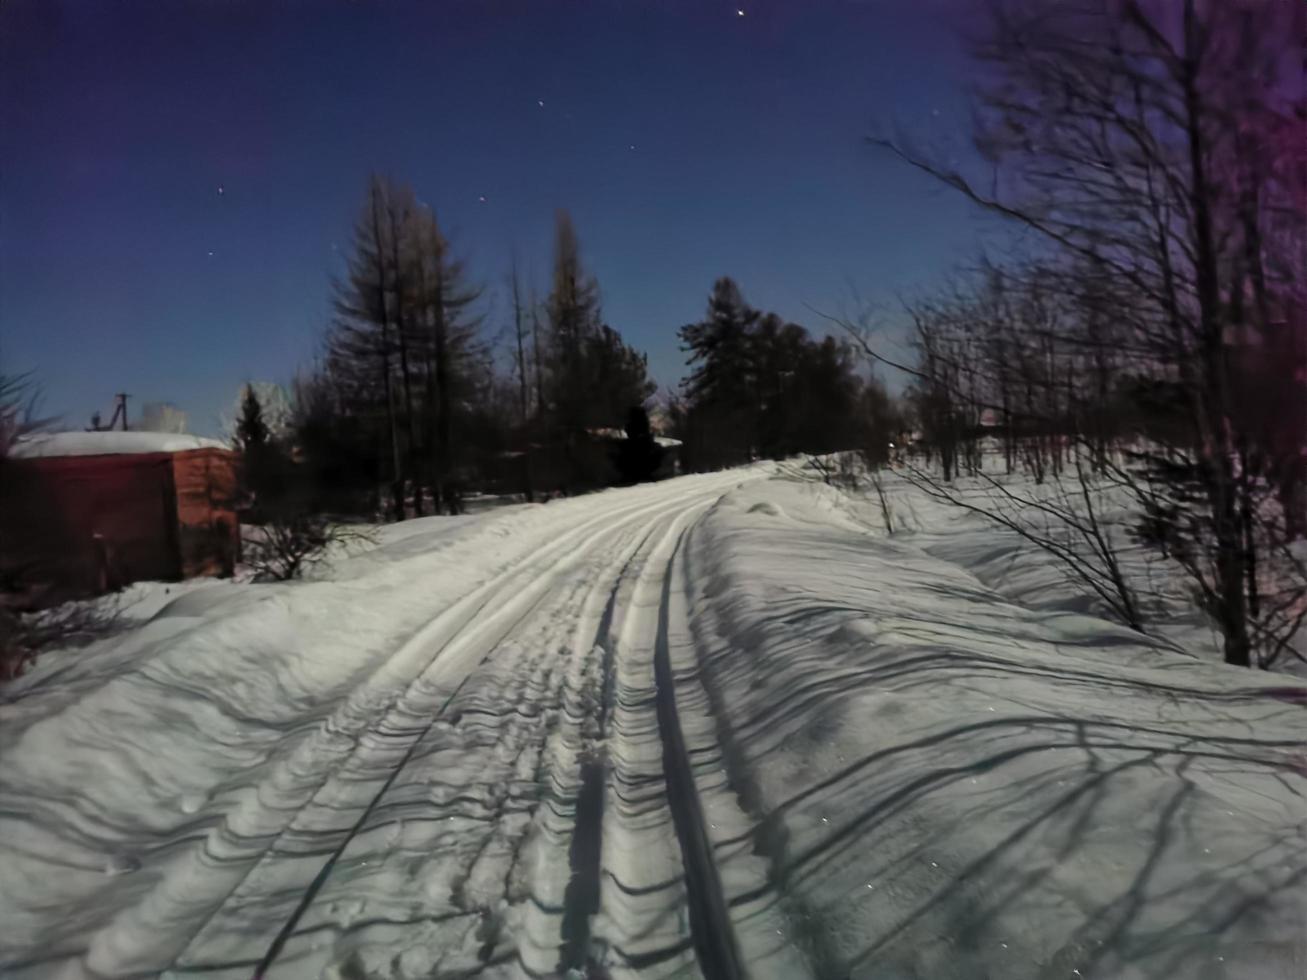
(620, 435)
(723, 725)
(953, 785)
(109, 443)
(1028, 575)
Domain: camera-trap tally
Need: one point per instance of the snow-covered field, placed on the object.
(1031, 576)
(721, 726)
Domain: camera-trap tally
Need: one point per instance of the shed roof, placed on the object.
(114, 443)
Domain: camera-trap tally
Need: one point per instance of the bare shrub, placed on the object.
(291, 543)
(25, 635)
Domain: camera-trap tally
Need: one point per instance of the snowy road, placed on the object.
(491, 742)
(470, 789)
(716, 727)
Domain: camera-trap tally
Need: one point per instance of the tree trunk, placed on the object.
(397, 480)
(519, 331)
(1218, 471)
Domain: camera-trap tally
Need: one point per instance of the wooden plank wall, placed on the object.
(208, 528)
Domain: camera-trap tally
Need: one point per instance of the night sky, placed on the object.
(178, 179)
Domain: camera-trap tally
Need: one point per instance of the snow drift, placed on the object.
(947, 784)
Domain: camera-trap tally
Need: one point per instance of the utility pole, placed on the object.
(120, 409)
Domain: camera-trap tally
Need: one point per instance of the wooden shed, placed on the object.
(85, 512)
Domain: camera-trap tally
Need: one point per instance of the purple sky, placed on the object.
(688, 142)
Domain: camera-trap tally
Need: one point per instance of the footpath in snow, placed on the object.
(721, 726)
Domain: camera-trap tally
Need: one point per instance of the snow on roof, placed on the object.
(620, 434)
(109, 444)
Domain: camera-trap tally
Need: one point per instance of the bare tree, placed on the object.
(19, 410)
(1067, 521)
(1130, 136)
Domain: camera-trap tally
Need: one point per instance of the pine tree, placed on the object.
(251, 430)
(719, 349)
(617, 378)
(445, 334)
(362, 348)
(721, 390)
(263, 473)
(572, 309)
(593, 377)
(761, 386)
(403, 348)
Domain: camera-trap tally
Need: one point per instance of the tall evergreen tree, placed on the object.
(761, 386)
(719, 349)
(594, 378)
(362, 348)
(445, 335)
(721, 389)
(403, 349)
(617, 376)
(264, 471)
(251, 429)
(572, 309)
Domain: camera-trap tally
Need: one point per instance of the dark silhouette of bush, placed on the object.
(639, 455)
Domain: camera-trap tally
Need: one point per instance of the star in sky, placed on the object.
(221, 190)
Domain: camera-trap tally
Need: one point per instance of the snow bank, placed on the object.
(109, 444)
(180, 747)
(951, 785)
(1030, 576)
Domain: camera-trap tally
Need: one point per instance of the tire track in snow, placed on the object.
(772, 935)
(521, 604)
(294, 806)
(582, 898)
(668, 909)
(572, 828)
(662, 509)
(553, 920)
(655, 883)
(523, 609)
(710, 920)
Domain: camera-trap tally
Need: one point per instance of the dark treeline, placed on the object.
(414, 403)
(406, 410)
(763, 388)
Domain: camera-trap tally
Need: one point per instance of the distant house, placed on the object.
(85, 512)
(671, 462)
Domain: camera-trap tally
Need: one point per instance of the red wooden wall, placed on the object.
(75, 525)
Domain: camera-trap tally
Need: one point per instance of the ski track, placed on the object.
(535, 775)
